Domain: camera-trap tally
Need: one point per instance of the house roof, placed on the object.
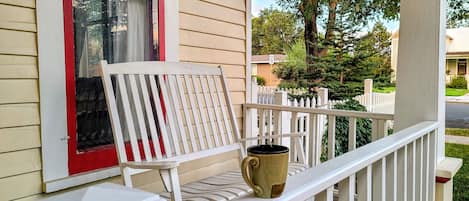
(458, 42)
(264, 59)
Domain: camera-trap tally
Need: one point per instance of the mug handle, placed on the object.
(254, 162)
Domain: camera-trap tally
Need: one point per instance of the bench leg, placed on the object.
(171, 183)
(126, 176)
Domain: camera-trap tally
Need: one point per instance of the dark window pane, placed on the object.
(112, 30)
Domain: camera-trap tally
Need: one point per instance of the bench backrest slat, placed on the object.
(184, 108)
(195, 112)
(150, 118)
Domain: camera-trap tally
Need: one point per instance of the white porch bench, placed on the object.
(170, 113)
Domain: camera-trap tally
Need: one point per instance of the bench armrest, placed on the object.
(155, 165)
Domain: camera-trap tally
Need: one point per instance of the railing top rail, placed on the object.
(345, 113)
(314, 180)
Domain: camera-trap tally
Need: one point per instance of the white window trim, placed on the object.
(51, 60)
(248, 51)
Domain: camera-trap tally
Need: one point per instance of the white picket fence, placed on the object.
(374, 102)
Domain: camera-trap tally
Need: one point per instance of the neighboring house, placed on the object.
(53, 121)
(263, 66)
(457, 53)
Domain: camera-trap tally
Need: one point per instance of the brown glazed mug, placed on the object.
(265, 169)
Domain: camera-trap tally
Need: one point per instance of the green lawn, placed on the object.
(384, 89)
(449, 91)
(458, 131)
(461, 180)
(456, 92)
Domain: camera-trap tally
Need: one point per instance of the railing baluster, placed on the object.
(261, 124)
(402, 169)
(331, 137)
(432, 163)
(391, 177)
(326, 195)
(294, 129)
(313, 141)
(425, 165)
(364, 184)
(411, 175)
(418, 169)
(379, 180)
(347, 186)
(269, 125)
(352, 133)
(277, 127)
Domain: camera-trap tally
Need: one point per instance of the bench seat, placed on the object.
(227, 186)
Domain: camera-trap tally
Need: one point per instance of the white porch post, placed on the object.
(420, 93)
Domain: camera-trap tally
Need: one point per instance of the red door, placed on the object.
(97, 30)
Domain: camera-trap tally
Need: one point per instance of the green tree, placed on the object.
(274, 31)
(325, 13)
(351, 58)
(458, 13)
(294, 68)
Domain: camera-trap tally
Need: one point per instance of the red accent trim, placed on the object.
(161, 31)
(441, 180)
(104, 156)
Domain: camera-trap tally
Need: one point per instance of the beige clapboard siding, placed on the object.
(197, 39)
(20, 162)
(211, 26)
(20, 186)
(17, 18)
(213, 11)
(15, 115)
(23, 3)
(12, 66)
(19, 91)
(195, 54)
(238, 85)
(17, 42)
(238, 98)
(233, 71)
(19, 138)
(230, 71)
(234, 4)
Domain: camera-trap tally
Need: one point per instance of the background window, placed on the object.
(111, 30)
(462, 66)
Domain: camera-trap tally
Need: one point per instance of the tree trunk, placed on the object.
(330, 28)
(309, 10)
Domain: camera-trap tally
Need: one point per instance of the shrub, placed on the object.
(364, 127)
(260, 80)
(458, 83)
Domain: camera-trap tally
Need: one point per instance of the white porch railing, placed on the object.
(266, 120)
(398, 167)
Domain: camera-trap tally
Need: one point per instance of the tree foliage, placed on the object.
(330, 15)
(274, 31)
(294, 67)
(458, 13)
(341, 127)
(350, 59)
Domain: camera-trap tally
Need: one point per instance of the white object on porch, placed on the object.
(106, 192)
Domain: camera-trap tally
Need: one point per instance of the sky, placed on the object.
(258, 5)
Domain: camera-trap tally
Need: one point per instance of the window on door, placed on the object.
(462, 66)
(95, 30)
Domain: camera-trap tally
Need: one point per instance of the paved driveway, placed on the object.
(457, 115)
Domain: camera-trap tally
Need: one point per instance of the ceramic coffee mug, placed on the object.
(265, 169)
